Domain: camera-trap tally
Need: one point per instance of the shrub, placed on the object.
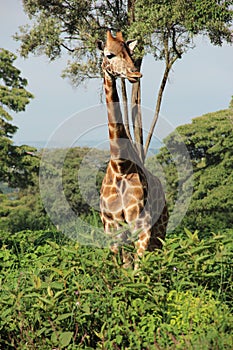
(56, 294)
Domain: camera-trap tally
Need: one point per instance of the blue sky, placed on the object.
(200, 83)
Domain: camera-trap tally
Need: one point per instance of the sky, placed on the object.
(201, 82)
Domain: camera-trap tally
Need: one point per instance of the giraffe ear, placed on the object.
(132, 44)
(100, 45)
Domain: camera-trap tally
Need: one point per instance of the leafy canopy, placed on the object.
(15, 164)
(162, 27)
(209, 140)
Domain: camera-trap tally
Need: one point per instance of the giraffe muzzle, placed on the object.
(133, 77)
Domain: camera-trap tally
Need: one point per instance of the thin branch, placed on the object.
(67, 48)
(157, 108)
(169, 61)
(178, 53)
(168, 66)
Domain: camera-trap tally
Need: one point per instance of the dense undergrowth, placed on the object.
(56, 294)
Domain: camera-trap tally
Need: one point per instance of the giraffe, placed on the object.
(130, 195)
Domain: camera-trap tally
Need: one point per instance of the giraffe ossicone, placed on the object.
(132, 200)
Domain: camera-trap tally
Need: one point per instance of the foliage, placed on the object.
(16, 163)
(209, 143)
(209, 140)
(164, 28)
(76, 25)
(57, 294)
(24, 209)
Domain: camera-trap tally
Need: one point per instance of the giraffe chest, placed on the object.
(118, 193)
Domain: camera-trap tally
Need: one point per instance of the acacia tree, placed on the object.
(164, 28)
(15, 163)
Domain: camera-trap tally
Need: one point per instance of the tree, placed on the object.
(16, 164)
(163, 28)
(209, 140)
(26, 209)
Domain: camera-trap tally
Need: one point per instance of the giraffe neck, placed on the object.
(121, 149)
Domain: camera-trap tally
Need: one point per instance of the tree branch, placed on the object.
(137, 118)
(169, 61)
(67, 48)
(157, 109)
(178, 53)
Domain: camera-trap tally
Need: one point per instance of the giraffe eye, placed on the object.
(110, 55)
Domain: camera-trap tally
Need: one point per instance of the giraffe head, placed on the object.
(117, 61)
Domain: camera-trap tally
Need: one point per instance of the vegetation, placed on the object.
(163, 28)
(209, 140)
(24, 209)
(209, 143)
(56, 294)
(16, 165)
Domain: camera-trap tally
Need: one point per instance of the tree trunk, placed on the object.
(125, 108)
(136, 114)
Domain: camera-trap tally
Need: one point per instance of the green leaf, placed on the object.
(46, 301)
(119, 339)
(64, 316)
(65, 339)
(199, 249)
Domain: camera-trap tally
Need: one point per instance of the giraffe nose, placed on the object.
(135, 72)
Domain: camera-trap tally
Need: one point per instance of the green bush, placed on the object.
(56, 294)
(209, 141)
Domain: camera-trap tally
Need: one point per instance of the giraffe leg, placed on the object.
(127, 258)
(141, 246)
(126, 255)
(121, 239)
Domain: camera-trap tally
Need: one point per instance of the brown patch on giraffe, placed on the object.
(107, 215)
(128, 201)
(111, 133)
(119, 216)
(131, 213)
(140, 207)
(142, 236)
(125, 167)
(133, 179)
(138, 193)
(108, 191)
(113, 203)
(140, 251)
(104, 192)
(109, 177)
(114, 166)
(118, 179)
